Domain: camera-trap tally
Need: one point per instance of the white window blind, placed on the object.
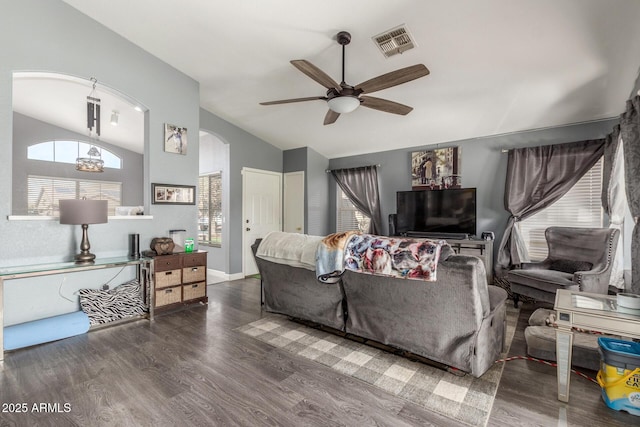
(348, 216)
(210, 209)
(580, 207)
(44, 193)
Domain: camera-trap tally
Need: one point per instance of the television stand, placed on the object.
(465, 245)
(430, 235)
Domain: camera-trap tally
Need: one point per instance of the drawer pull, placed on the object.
(194, 286)
(194, 269)
(168, 291)
(168, 273)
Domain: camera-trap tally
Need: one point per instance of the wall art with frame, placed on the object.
(436, 169)
(172, 194)
(175, 139)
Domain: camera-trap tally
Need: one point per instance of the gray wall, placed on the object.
(294, 161)
(316, 187)
(245, 150)
(50, 36)
(28, 131)
(484, 167)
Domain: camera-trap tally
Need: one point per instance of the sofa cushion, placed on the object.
(545, 280)
(569, 265)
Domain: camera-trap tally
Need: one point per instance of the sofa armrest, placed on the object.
(497, 296)
(593, 281)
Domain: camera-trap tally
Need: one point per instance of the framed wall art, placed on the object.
(175, 139)
(436, 169)
(171, 194)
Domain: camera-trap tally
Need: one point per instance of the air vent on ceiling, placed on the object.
(394, 41)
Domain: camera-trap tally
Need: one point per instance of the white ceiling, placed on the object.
(497, 66)
(61, 100)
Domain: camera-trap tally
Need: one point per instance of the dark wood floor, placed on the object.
(191, 368)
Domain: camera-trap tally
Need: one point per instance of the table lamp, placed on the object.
(83, 212)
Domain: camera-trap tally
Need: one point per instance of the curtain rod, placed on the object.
(329, 170)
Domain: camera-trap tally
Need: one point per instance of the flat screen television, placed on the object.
(437, 211)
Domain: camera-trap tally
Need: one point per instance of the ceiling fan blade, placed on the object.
(287, 101)
(385, 105)
(393, 78)
(331, 117)
(315, 73)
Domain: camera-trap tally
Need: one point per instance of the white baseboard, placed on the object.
(236, 276)
(217, 274)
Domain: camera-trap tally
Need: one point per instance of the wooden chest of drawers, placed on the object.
(180, 278)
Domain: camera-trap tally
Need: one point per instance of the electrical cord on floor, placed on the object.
(508, 359)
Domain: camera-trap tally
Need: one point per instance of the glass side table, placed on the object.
(143, 274)
(589, 311)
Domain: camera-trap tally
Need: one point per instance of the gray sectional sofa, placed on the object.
(458, 320)
(296, 292)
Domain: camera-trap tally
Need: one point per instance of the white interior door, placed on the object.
(261, 210)
(294, 202)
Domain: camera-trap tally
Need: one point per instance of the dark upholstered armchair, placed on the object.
(579, 259)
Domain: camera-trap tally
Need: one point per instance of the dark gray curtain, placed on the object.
(630, 131)
(361, 187)
(537, 177)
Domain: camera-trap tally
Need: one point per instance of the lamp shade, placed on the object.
(82, 211)
(343, 104)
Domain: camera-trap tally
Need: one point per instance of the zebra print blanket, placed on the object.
(114, 304)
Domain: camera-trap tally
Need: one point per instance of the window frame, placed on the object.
(212, 212)
(80, 148)
(341, 200)
(583, 199)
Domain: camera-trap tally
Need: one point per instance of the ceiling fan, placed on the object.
(344, 98)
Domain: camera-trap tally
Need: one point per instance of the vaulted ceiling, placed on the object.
(497, 66)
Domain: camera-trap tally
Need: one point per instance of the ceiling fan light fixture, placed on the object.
(343, 104)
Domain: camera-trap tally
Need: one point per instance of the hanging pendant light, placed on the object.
(93, 163)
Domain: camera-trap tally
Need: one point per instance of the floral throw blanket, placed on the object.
(330, 256)
(396, 257)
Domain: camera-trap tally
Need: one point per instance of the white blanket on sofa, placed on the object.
(297, 250)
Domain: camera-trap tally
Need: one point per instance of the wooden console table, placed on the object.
(589, 311)
(483, 249)
(144, 267)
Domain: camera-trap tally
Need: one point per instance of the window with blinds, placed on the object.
(210, 209)
(44, 193)
(348, 216)
(580, 207)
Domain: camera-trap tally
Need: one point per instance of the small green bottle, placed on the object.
(188, 245)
